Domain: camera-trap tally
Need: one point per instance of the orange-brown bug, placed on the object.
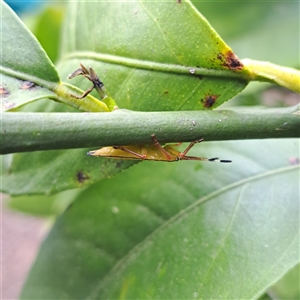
(154, 151)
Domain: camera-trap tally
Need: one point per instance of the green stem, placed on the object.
(64, 91)
(21, 132)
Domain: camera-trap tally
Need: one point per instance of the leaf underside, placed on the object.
(178, 230)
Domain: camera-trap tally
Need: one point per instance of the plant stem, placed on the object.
(21, 132)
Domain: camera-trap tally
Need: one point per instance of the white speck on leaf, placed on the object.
(115, 210)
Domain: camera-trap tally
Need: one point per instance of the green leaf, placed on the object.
(22, 55)
(26, 72)
(152, 57)
(49, 172)
(264, 30)
(271, 26)
(16, 93)
(217, 251)
(265, 297)
(26, 60)
(42, 205)
(287, 287)
(179, 230)
(47, 28)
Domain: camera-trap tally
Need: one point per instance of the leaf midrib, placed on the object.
(185, 212)
(153, 65)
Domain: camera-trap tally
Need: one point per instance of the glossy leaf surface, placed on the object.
(33, 64)
(179, 230)
(26, 72)
(162, 56)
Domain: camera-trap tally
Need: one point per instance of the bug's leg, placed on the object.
(138, 155)
(183, 154)
(84, 94)
(184, 157)
(175, 145)
(160, 147)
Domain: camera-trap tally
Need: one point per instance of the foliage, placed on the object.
(156, 230)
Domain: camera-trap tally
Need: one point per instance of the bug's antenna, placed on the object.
(219, 160)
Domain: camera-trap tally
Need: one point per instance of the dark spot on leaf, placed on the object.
(119, 163)
(4, 92)
(178, 1)
(230, 61)
(209, 100)
(26, 85)
(166, 92)
(81, 177)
